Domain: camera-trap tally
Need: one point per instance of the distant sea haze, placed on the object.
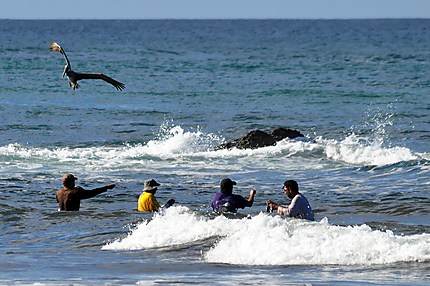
(357, 89)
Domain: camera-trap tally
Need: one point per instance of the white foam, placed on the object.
(196, 148)
(175, 226)
(178, 141)
(361, 151)
(275, 240)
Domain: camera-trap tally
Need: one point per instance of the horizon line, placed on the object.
(212, 19)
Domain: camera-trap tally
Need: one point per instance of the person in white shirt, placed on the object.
(299, 206)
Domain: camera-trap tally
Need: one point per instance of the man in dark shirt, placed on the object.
(225, 201)
(70, 196)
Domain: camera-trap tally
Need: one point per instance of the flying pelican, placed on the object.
(75, 76)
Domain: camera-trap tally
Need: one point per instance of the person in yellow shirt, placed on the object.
(147, 201)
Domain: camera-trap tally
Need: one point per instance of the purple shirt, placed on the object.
(228, 203)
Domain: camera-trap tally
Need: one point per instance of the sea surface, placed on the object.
(359, 90)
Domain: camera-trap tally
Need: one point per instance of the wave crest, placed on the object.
(274, 240)
(175, 143)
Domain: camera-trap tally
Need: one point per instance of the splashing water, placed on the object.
(360, 151)
(273, 240)
(197, 146)
(369, 143)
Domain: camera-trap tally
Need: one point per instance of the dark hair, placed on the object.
(227, 186)
(292, 184)
(68, 180)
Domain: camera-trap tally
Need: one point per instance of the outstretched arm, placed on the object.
(282, 210)
(86, 194)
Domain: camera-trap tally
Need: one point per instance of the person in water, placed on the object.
(70, 196)
(226, 201)
(299, 206)
(147, 200)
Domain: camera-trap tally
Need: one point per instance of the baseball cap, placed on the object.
(227, 183)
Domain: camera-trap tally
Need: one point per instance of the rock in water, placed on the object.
(281, 133)
(257, 138)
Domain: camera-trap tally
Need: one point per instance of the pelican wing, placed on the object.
(118, 85)
(57, 48)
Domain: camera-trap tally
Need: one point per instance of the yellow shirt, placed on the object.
(147, 203)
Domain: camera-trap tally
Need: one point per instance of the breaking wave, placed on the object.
(196, 146)
(273, 240)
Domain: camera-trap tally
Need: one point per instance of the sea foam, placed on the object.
(196, 146)
(354, 150)
(264, 239)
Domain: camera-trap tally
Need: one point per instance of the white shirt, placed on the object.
(299, 207)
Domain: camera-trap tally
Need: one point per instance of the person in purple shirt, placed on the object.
(226, 201)
(299, 206)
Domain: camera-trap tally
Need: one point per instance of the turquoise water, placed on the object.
(359, 90)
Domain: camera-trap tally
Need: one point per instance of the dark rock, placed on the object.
(281, 133)
(258, 138)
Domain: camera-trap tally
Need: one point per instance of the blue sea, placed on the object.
(359, 90)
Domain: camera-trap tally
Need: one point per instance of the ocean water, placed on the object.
(358, 89)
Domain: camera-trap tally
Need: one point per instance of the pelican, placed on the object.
(75, 76)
